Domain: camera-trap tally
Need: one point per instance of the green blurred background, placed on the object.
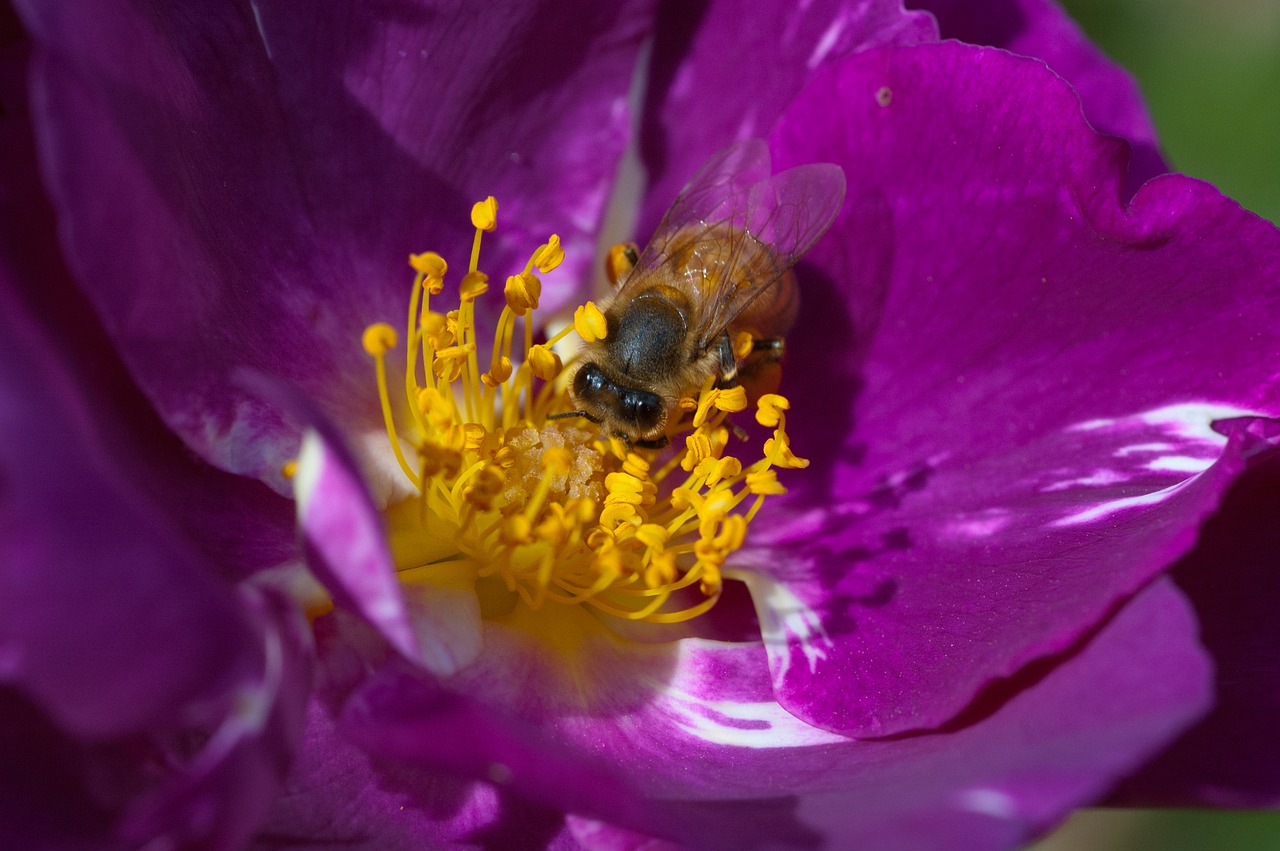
(1210, 70)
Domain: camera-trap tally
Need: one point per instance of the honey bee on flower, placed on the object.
(710, 296)
(540, 508)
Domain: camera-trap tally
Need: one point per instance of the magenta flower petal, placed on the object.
(721, 765)
(1232, 757)
(217, 225)
(337, 794)
(346, 542)
(1112, 102)
(728, 71)
(1032, 440)
(123, 652)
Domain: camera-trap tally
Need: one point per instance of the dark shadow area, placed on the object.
(1232, 578)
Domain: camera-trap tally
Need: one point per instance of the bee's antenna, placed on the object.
(568, 414)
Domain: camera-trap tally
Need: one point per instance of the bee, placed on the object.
(718, 265)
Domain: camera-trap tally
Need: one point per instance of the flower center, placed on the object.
(552, 512)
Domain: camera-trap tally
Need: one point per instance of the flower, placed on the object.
(1023, 375)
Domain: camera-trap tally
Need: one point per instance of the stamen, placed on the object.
(556, 512)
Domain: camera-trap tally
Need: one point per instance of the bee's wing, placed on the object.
(735, 229)
(769, 227)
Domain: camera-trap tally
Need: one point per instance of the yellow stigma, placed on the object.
(552, 512)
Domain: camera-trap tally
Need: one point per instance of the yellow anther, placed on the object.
(474, 285)
(485, 486)
(719, 469)
(652, 535)
(557, 460)
(661, 571)
(614, 513)
(731, 400)
(685, 498)
(499, 373)
(711, 582)
(379, 338)
(634, 465)
(600, 538)
(549, 255)
(437, 407)
(733, 531)
(769, 408)
(450, 362)
(778, 450)
(290, 468)
(743, 343)
(687, 404)
(516, 530)
(620, 260)
(590, 323)
(522, 292)
(765, 483)
(697, 449)
(435, 327)
(624, 497)
(429, 264)
(473, 435)
(484, 214)
(544, 363)
(623, 483)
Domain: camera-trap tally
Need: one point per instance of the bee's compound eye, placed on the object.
(590, 379)
(642, 408)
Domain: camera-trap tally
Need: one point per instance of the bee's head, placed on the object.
(635, 415)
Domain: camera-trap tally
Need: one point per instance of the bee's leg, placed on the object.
(654, 443)
(728, 365)
(770, 349)
(620, 260)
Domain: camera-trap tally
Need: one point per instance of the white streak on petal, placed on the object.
(787, 624)
(988, 802)
(755, 725)
(1192, 448)
(1136, 448)
(1180, 464)
(1096, 479)
(828, 40)
(1105, 509)
(262, 33)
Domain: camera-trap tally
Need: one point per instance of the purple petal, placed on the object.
(113, 620)
(1112, 101)
(1031, 439)
(1232, 758)
(346, 542)
(241, 525)
(695, 729)
(347, 549)
(728, 70)
(241, 185)
(222, 795)
(338, 794)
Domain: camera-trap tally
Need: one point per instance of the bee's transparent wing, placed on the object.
(735, 229)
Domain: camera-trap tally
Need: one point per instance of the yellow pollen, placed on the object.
(379, 338)
(589, 322)
(548, 256)
(554, 511)
(430, 264)
(484, 215)
(522, 292)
